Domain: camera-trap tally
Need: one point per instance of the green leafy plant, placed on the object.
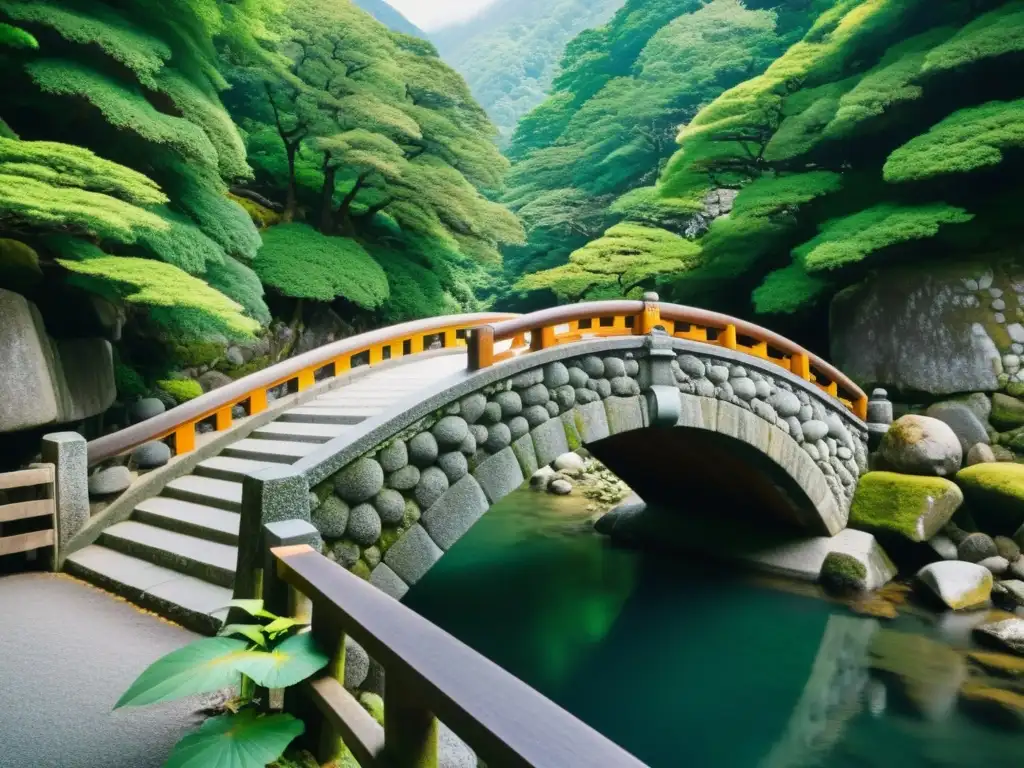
(271, 652)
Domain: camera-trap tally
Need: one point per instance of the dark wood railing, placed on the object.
(40, 504)
(430, 675)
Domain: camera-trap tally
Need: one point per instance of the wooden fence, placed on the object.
(429, 675)
(19, 529)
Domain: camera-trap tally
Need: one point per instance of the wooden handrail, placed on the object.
(181, 421)
(28, 536)
(641, 317)
(429, 675)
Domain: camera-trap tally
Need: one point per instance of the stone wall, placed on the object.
(392, 513)
(47, 381)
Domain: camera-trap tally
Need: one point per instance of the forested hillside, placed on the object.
(390, 17)
(509, 53)
(611, 123)
(125, 180)
(890, 134)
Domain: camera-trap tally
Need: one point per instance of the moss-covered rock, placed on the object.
(361, 480)
(361, 569)
(921, 445)
(843, 573)
(914, 506)
(331, 517)
(1007, 412)
(995, 493)
(181, 390)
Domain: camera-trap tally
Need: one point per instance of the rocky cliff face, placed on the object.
(951, 328)
(47, 381)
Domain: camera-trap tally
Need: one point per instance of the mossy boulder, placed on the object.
(913, 506)
(843, 573)
(1007, 412)
(995, 493)
(181, 390)
(361, 480)
(373, 704)
(921, 445)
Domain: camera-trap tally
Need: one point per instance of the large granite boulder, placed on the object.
(920, 445)
(942, 329)
(963, 420)
(995, 492)
(958, 584)
(44, 381)
(913, 506)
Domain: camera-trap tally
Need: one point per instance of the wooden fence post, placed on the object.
(410, 729)
(481, 347)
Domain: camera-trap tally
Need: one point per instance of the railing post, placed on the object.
(223, 419)
(306, 379)
(323, 739)
(410, 729)
(481, 347)
(185, 438)
(650, 315)
(257, 401)
(68, 453)
(542, 338)
(800, 365)
(727, 338)
(269, 495)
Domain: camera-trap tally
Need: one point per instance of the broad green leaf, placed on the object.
(281, 624)
(205, 665)
(243, 740)
(252, 607)
(252, 631)
(291, 662)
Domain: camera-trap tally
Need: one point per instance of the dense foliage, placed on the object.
(891, 133)
(368, 136)
(509, 53)
(610, 124)
(117, 151)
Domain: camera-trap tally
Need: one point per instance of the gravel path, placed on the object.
(67, 653)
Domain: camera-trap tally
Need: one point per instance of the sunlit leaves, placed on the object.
(242, 740)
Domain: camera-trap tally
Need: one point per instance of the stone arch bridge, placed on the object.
(394, 443)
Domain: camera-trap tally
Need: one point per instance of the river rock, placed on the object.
(691, 366)
(913, 506)
(357, 664)
(361, 480)
(404, 479)
(980, 453)
(394, 456)
(536, 395)
(432, 485)
(212, 380)
(471, 407)
(1007, 412)
(450, 431)
(1007, 634)
(331, 517)
(958, 584)
(842, 573)
(109, 481)
(975, 547)
(997, 565)
(499, 437)
(920, 445)
(917, 329)
(454, 465)
(510, 402)
(363, 525)
(569, 461)
(964, 422)
(785, 403)
(344, 553)
(995, 493)
(390, 505)
(555, 375)
(944, 547)
(423, 450)
(614, 367)
(542, 477)
(234, 356)
(146, 408)
(560, 487)
(1007, 547)
(151, 455)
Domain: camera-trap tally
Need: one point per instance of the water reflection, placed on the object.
(688, 663)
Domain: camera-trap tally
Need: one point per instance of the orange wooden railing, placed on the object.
(298, 372)
(564, 325)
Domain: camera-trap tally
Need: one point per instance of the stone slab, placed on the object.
(698, 412)
(526, 455)
(463, 504)
(68, 452)
(499, 475)
(388, 582)
(624, 414)
(85, 386)
(549, 441)
(591, 422)
(413, 554)
(26, 366)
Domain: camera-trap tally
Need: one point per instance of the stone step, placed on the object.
(227, 468)
(189, 518)
(277, 451)
(223, 494)
(191, 602)
(206, 560)
(300, 432)
(321, 415)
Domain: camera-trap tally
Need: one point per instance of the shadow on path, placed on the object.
(67, 653)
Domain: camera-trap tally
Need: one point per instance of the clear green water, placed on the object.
(686, 663)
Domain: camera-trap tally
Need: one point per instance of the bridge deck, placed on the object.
(177, 553)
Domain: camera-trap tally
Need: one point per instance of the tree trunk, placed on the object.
(344, 219)
(291, 202)
(327, 197)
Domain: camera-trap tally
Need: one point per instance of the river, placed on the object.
(689, 663)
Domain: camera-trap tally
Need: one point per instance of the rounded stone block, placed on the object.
(451, 431)
(499, 436)
(390, 506)
(361, 480)
(394, 456)
(423, 450)
(364, 525)
(412, 555)
(331, 517)
(454, 465)
(433, 483)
